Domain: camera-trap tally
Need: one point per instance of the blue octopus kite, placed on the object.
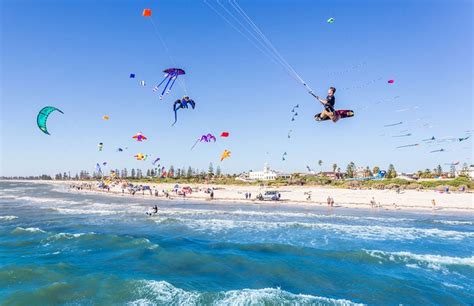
(182, 103)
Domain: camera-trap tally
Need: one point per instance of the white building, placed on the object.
(266, 175)
(468, 170)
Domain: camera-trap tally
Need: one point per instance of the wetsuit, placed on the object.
(329, 106)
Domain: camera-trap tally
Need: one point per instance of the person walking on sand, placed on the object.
(328, 200)
(433, 203)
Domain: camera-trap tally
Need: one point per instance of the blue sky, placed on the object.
(77, 56)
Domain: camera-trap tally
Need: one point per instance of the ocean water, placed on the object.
(61, 247)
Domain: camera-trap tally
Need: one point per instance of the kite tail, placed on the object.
(172, 83)
(164, 89)
(195, 144)
(175, 117)
(157, 86)
(166, 76)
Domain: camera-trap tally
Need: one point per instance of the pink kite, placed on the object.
(225, 134)
(391, 81)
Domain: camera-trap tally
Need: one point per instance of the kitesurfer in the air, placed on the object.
(328, 105)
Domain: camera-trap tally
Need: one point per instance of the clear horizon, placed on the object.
(78, 55)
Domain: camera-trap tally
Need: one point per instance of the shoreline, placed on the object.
(408, 200)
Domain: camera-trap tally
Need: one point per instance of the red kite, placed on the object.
(146, 13)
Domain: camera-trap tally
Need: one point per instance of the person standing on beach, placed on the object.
(433, 203)
(373, 203)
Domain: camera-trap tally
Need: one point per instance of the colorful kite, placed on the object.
(205, 138)
(156, 160)
(143, 83)
(225, 134)
(182, 103)
(42, 117)
(139, 137)
(331, 20)
(139, 156)
(225, 154)
(391, 81)
(105, 117)
(171, 74)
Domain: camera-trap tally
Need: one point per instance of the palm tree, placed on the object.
(334, 167)
(320, 163)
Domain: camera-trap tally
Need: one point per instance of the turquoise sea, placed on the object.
(60, 247)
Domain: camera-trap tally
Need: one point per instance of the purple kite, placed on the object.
(171, 74)
(205, 138)
(156, 160)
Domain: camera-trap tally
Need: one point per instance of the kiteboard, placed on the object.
(341, 113)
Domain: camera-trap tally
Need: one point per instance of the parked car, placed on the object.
(269, 196)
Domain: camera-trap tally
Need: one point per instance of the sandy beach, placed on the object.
(350, 198)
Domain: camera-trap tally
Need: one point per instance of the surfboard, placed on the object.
(341, 113)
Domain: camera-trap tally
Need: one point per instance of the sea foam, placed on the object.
(151, 292)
